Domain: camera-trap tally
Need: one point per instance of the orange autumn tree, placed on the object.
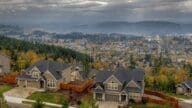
(10, 79)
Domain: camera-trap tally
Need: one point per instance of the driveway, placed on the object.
(108, 104)
(18, 94)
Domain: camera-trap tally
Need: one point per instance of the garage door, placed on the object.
(109, 97)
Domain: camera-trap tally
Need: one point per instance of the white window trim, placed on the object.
(112, 86)
(51, 83)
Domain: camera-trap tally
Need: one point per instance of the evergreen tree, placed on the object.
(65, 104)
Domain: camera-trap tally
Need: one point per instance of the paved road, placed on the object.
(183, 104)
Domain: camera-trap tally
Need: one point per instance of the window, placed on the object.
(112, 86)
(51, 83)
(35, 74)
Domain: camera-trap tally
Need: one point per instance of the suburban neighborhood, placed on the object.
(95, 53)
(134, 72)
(70, 83)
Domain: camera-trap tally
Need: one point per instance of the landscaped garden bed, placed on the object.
(149, 105)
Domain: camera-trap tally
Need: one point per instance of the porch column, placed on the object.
(119, 97)
(103, 97)
(45, 84)
(26, 83)
(127, 98)
(94, 95)
(18, 82)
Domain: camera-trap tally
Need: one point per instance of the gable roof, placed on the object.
(24, 76)
(53, 67)
(114, 78)
(121, 74)
(103, 75)
(133, 82)
(188, 83)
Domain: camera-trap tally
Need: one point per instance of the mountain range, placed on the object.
(135, 28)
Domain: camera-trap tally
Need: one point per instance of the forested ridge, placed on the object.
(24, 53)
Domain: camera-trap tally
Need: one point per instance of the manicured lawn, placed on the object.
(4, 88)
(150, 105)
(179, 96)
(31, 103)
(48, 97)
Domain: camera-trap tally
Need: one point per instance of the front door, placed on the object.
(123, 98)
(42, 84)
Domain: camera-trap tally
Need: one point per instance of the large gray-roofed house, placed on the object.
(119, 85)
(49, 74)
(53, 67)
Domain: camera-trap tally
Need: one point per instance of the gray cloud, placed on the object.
(87, 11)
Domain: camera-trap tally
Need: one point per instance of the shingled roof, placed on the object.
(188, 83)
(121, 74)
(51, 66)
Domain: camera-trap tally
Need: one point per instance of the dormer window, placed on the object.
(112, 86)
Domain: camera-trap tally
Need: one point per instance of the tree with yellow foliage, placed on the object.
(181, 75)
(100, 65)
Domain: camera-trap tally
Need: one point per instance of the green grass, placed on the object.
(179, 96)
(31, 103)
(149, 105)
(48, 97)
(4, 88)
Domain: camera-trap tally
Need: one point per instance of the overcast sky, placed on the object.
(89, 11)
